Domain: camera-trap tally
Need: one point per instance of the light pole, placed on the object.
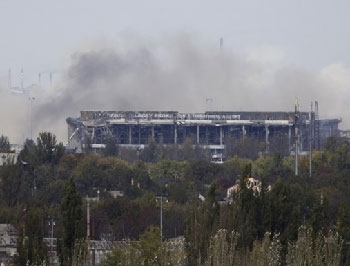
(161, 216)
(52, 224)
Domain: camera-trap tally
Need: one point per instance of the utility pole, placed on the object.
(88, 218)
(296, 125)
(161, 216)
(51, 224)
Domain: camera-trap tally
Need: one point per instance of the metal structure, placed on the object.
(209, 130)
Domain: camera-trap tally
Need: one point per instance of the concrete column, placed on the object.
(206, 135)
(139, 134)
(152, 132)
(184, 134)
(197, 134)
(243, 131)
(290, 137)
(221, 135)
(129, 134)
(175, 134)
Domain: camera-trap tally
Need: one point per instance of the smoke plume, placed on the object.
(186, 76)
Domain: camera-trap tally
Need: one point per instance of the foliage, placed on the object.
(307, 250)
(150, 152)
(131, 253)
(36, 249)
(126, 255)
(202, 220)
(71, 209)
(111, 148)
(247, 147)
(4, 144)
(269, 219)
(95, 172)
(203, 172)
(150, 243)
(81, 254)
(167, 168)
(15, 186)
(47, 148)
(21, 257)
(324, 250)
(31, 250)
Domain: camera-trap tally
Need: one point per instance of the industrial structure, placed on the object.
(209, 130)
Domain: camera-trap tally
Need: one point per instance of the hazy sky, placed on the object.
(272, 47)
(39, 34)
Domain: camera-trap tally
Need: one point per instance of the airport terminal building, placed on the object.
(209, 130)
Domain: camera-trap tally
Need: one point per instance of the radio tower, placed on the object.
(9, 79)
(22, 79)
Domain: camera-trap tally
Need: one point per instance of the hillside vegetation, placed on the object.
(294, 220)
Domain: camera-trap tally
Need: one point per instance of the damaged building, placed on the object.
(209, 130)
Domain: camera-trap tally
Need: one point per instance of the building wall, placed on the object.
(133, 128)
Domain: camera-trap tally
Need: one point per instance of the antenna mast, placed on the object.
(9, 79)
(221, 43)
(22, 78)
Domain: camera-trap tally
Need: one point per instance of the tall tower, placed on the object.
(50, 80)
(221, 43)
(22, 79)
(9, 79)
(296, 135)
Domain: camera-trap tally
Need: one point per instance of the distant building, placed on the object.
(252, 183)
(116, 193)
(11, 156)
(8, 158)
(8, 241)
(209, 130)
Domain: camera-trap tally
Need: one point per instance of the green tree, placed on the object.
(36, 249)
(71, 209)
(128, 255)
(319, 217)
(4, 144)
(202, 222)
(247, 211)
(289, 207)
(151, 151)
(47, 148)
(15, 184)
(28, 155)
(188, 151)
(249, 147)
(150, 244)
(21, 257)
(111, 148)
(279, 144)
(31, 250)
(343, 227)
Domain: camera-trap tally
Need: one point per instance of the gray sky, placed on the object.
(276, 50)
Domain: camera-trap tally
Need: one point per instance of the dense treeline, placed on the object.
(46, 183)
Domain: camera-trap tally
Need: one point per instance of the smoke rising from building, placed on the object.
(176, 74)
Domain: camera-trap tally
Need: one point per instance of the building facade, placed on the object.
(209, 130)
